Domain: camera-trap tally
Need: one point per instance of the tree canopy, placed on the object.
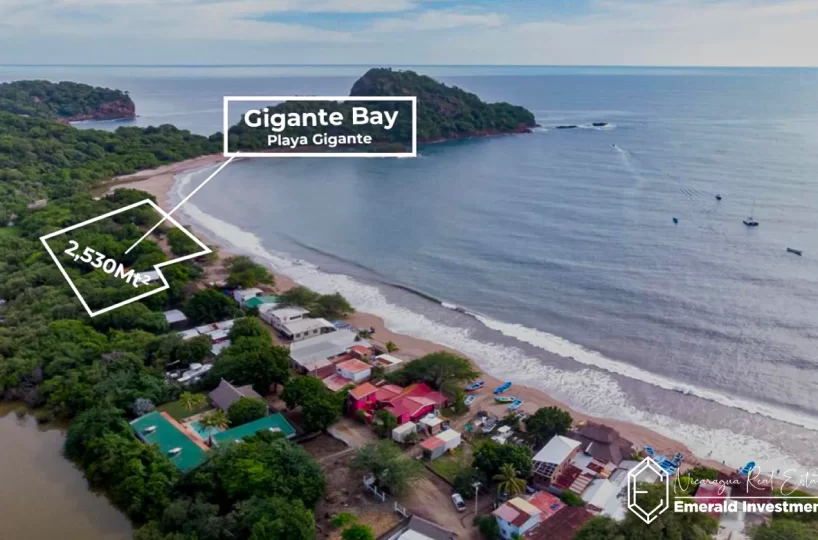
(251, 360)
(245, 410)
(547, 422)
(320, 407)
(442, 370)
(393, 470)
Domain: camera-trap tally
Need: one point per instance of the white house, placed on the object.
(313, 354)
(305, 328)
(243, 295)
(388, 362)
(400, 433)
(278, 318)
(354, 370)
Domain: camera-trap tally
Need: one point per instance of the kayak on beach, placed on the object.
(503, 387)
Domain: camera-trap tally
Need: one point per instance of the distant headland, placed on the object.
(65, 101)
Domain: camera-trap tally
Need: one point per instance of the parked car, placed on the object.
(459, 503)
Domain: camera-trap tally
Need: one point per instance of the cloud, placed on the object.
(438, 20)
(633, 32)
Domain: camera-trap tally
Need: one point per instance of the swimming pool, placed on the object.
(202, 431)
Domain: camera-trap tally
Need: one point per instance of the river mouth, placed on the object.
(36, 480)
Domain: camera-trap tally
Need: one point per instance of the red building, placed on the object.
(407, 404)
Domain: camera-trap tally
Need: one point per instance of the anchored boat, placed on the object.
(503, 387)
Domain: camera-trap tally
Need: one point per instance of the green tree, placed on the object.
(547, 422)
(249, 327)
(490, 456)
(465, 479)
(442, 370)
(192, 401)
(393, 470)
(342, 519)
(274, 518)
(384, 422)
(244, 273)
(601, 528)
(252, 360)
(391, 347)
(210, 306)
(488, 527)
(358, 531)
(331, 306)
(181, 244)
(508, 482)
(245, 410)
(460, 406)
(320, 407)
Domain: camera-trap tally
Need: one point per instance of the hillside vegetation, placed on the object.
(64, 101)
(45, 159)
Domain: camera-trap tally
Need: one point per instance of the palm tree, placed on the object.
(214, 420)
(391, 347)
(508, 482)
(192, 401)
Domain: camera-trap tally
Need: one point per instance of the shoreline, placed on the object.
(159, 183)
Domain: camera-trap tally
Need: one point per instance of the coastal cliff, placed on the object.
(65, 101)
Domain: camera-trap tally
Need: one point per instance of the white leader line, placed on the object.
(183, 201)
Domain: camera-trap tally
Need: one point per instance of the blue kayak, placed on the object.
(503, 387)
(477, 385)
(516, 405)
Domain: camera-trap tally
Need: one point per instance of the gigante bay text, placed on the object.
(279, 122)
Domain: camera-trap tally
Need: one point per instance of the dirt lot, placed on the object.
(345, 493)
(323, 446)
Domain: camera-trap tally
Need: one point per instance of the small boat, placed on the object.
(676, 220)
(503, 387)
(718, 197)
(469, 400)
(747, 469)
(476, 385)
(795, 251)
(750, 222)
(516, 404)
(505, 399)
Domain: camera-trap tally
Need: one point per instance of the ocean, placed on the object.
(560, 244)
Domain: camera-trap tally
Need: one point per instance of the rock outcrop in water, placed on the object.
(65, 101)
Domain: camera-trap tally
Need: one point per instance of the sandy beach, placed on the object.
(159, 182)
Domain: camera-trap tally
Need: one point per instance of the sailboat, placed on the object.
(750, 221)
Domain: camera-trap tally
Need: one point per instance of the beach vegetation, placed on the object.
(245, 410)
(393, 470)
(442, 370)
(181, 244)
(327, 306)
(391, 347)
(547, 422)
(245, 273)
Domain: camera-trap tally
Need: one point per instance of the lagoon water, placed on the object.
(561, 243)
(42, 495)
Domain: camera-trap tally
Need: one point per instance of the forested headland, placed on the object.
(65, 101)
(444, 113)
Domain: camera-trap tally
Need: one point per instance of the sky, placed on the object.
(411, 32)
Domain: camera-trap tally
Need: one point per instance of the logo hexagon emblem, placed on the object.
(647, 471)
